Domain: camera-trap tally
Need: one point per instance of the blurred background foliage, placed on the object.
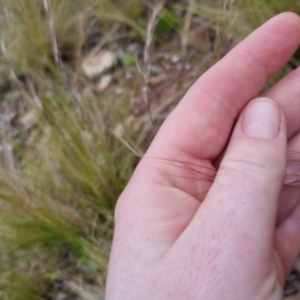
(70, 141)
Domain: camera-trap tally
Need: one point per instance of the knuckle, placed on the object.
(253, 162)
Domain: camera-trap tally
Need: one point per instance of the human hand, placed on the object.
(186, 229)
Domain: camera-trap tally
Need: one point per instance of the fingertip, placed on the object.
(262, 119)
(289, 16)
(287, 19)
(289, 22)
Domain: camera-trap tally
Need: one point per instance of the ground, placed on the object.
(84, 87)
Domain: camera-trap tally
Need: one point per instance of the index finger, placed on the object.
(201, 124)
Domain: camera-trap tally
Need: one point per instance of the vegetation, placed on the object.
(67, 146)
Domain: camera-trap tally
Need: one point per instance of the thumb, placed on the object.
(246, 190)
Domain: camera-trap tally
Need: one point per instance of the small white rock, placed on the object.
(118, 91)
(187, 66)
(166, 56)
(29, 120)
(104, 82)
(120, 53)
(128, 75)
(95, 64)
(154, 69)
(132, 48)
(175, 58)
(119, 130)
(179, 67)
(62, 296)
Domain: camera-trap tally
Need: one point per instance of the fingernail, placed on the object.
(262, 119)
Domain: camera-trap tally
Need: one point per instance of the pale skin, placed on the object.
(189, 228)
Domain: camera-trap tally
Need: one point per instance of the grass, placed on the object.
(60, 182)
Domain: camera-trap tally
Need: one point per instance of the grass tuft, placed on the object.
(61, 180)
